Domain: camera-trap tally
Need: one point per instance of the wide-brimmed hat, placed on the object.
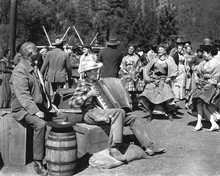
(189, 42)
(209, 48)
(58, 42)
(179, 40)
(113, 41)
(216, 43)
(90, 65)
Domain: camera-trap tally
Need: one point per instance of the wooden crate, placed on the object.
(13, 142)
(91, 138)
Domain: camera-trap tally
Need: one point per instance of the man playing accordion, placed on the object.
(85, 97)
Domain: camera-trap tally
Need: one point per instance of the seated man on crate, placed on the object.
(85, 97)
(30, 103)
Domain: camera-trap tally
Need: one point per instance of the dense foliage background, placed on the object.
(142, 22)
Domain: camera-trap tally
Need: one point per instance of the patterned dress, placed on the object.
(179, 85)
(188, 58)
(208, 75)
(130, 73)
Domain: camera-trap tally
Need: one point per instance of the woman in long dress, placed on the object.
(86, 56)
(130, 69)
(179, 84)
(205, 95)
(130, 76)
(158, 74)
(188, 58)
(6, 68)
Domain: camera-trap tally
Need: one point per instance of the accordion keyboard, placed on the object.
(112, 94)
(103, 98)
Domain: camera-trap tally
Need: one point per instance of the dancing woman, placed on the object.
(202, 97)
(130, 69)
(158, 74)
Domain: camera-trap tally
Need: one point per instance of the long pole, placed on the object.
(78, 35)
(93, 39)
(13, 24)
(47, 36)
(65, 33)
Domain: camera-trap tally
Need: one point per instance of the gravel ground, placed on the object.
(187, 152)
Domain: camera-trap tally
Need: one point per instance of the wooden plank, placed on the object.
(1, 137)
(12, 141)
(91, 138)
(17, 135)
(5, 141)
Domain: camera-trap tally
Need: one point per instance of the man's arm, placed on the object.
(21, 88)
(81, 94)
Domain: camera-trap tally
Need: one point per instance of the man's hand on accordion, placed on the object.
(92, 92)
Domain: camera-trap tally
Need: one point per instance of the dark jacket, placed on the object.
(59, 66)
(111, 59)
(176, 58)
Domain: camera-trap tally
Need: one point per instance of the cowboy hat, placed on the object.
(209, 49)
(189, 42)
(90, 65)
(113, 41)
(58, 42)
(179, 41)
(216, 43)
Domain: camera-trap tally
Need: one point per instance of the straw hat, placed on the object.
(90, 65)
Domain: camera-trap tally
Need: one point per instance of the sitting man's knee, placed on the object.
(40, 124)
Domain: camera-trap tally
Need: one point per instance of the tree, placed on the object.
(167, 24)
(31, 17)
(4, 11)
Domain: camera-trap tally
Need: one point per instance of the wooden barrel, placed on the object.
(61, 153)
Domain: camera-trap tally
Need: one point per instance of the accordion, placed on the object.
(111, 93)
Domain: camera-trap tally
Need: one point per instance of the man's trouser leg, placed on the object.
(136, 126)
(116, 117)
(39, 126)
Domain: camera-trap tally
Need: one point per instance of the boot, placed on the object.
(152, 150)
(39, 168)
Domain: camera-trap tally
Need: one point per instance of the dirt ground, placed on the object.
(187, 152)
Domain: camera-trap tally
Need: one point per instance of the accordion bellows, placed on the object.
(112, 94)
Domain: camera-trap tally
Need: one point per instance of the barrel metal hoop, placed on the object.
(61, 139)
(60, 163)
(61, 148)
(62, 134)
(62, 171)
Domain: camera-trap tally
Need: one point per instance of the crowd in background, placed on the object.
(154, 82)
(143, 73)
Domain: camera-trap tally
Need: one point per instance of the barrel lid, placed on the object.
(60, 124)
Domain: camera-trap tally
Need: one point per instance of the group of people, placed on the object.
(165, 78)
